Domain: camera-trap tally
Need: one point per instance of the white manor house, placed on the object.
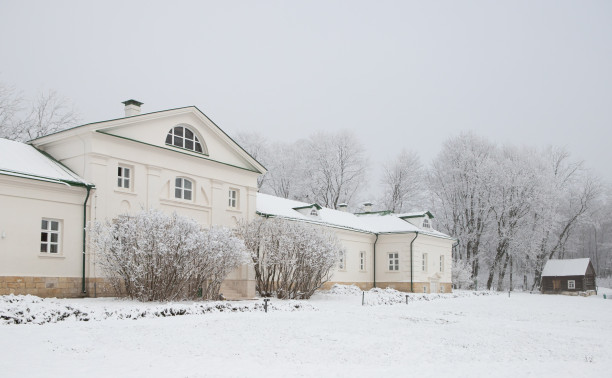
(177, 160)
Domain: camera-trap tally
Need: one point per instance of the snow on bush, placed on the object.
(292, 259)
(28, 309)
(388, 296)
(153, 256)
(462, 274)
(348, 290)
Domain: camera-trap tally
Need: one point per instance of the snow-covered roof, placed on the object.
(570, 267)
(376, 223)
(415, 214)
(22, 160)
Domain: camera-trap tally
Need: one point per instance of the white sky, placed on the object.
(401, 74)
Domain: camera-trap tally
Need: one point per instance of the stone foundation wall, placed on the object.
(50, 287)
(417, 287)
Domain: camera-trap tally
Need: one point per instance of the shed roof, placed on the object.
(569, 267)
(22, 160)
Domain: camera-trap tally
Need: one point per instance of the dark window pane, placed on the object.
(169, 138)
(43, 248)
(178, 131)
(119, 171)
(54, 225)
(187, 184)
(126, 172)
(44, 224)
(178, 183)
(178, 141)
(53, 248)
(198, 147)
(177, 193)
(54, 238)
(188, 144)
(126, 183)
(188, 195)
(43, 236)
(119, 182)
(188, 134)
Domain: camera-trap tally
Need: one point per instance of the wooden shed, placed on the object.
(572, 275)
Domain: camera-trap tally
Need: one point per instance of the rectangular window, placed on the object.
(49, 236)
(183, 188)
(441, 288)
(571, 284)
(394, 261)
(233, 198)
(441, 263)
(424, 262)
(123, 177)
(342, 260)
(424, 289)
(362, 261)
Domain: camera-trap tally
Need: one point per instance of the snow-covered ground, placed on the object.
(458, 335)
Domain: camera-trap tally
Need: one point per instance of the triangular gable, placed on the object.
(152, 129)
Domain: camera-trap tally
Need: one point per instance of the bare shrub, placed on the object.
(157, 257)
(292, 259)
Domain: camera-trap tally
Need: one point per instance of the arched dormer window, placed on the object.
(426, 223)
(182, 137)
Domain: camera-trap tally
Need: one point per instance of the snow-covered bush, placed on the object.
(462, 274)
(153, 256)
(292, 259)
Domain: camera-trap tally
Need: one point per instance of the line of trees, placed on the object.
(511, 208)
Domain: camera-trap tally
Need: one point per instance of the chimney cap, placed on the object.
(132, 102)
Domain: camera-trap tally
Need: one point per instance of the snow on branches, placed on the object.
(291, 259)
(157, 257)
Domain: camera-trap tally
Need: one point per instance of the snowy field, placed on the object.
(451, 335)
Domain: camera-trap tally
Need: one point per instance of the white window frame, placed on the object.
(47, 234)
(178, 138)
(441, 263)
(342, 260)
(426, 223)
(125, 177)
(362, 261)
(180, 189)
(393, 258)
(233, 198)
(424, 262)
(571, 284)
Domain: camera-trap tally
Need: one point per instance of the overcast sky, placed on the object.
(400, 74)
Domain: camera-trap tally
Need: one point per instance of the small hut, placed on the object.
(568, 276)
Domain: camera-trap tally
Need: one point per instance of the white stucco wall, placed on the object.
(24, 203)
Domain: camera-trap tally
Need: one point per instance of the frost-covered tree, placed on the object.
(338, 165)
(459, 182)
(47, 114)
(292, 259)
(153, 256)
(403, 183)
(257, 146)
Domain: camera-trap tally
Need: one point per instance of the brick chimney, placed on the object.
(132, 107)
